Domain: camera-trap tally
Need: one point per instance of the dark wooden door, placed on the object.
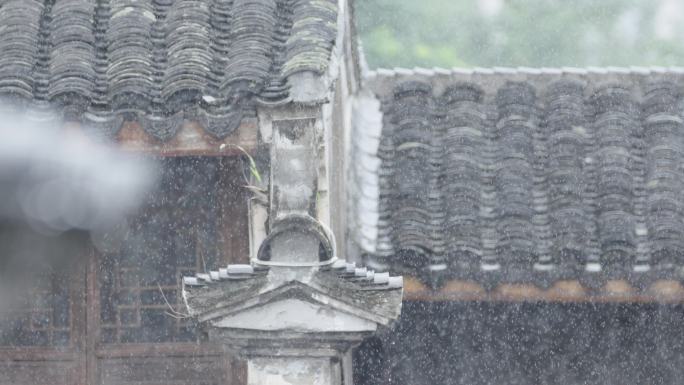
(116, 316)
(137, 328)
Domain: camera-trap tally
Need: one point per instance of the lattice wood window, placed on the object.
(41, 317)
(178, 233)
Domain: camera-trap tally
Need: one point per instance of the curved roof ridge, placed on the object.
(383, 81)
(636, 70)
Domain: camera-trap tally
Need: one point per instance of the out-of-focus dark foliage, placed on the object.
(535, 33)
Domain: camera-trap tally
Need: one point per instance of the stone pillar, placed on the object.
(294, 371)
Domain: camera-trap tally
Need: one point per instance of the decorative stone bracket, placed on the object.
(294, 322)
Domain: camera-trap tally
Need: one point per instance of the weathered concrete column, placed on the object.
(297, 310)
(291, 371)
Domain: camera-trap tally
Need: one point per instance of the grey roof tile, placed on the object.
(160, 61)
(559, 174)
(360, 277)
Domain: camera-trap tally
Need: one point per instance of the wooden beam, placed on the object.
(618, 291)
(190, 140)
(157, 350)
(27, 353)
(92, 332)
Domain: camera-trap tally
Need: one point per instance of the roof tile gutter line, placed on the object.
(381, 81)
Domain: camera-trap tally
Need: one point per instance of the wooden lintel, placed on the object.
(615, 291)
(36, 354)
(190, 140)
(155, 350)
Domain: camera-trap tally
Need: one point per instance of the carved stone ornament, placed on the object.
(293, 319)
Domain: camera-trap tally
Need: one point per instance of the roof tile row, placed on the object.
(528, 182)
(365, 278)
(160, 61)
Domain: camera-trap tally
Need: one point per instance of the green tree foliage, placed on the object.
(536, 33)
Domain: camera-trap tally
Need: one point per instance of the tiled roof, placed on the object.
(230, 272)
(161, 61)
(361, 277)
(374, 295)
(528, 175)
